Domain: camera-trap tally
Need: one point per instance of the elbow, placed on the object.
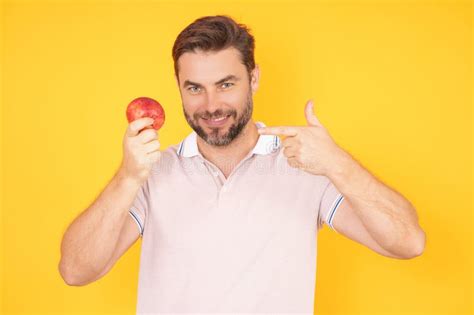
(417, 247)
(420, 244)
(70, 282)
(68, 276)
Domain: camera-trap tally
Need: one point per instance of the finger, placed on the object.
(309, 113)
(281, 131)
(293, 162)
(290, 142)
(135, 126)
(148, 135)
(152, 146)
(289, 152)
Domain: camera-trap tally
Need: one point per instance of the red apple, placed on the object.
(146, 107)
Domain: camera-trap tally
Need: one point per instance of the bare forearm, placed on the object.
(389, 218)
(90, 240)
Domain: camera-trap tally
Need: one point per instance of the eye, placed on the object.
(226, 85)
(193, 89)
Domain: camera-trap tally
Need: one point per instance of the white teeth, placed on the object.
(219, 119)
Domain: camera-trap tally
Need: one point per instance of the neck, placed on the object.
(227, 157)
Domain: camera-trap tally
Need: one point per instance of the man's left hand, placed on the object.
(309, 148)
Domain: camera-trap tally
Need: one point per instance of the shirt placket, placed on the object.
(223, 185)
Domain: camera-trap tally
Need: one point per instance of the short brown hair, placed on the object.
(214, 33)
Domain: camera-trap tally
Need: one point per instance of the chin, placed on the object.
(218, 137)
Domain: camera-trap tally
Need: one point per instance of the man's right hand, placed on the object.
(140, 150)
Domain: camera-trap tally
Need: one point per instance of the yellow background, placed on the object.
(392, 82)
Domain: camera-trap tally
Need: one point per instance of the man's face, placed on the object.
(217, 94)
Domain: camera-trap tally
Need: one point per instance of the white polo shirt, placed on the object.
(245, 244)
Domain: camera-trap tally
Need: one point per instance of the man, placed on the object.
(229, 216)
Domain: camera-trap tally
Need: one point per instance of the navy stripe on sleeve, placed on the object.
(339, 199)
(134, 216)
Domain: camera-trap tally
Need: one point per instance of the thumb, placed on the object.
(310, 117)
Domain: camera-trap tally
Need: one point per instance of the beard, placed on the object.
(214, 138)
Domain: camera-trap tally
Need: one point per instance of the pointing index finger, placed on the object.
(280, 130)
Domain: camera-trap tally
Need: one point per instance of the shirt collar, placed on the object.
(266, 144)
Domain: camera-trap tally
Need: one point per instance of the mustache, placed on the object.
(216, 114)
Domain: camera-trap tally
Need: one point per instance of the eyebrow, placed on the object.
(227, 78)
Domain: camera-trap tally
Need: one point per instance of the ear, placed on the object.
(254, 79)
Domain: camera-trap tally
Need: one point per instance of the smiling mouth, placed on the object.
(216, 121)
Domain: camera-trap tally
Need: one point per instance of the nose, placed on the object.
(213, 102)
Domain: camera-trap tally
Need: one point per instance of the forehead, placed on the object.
(208, 66)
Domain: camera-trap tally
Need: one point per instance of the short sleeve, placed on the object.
(330, 201)
(139, 207)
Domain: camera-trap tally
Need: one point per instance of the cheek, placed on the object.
(233, 99)
(193, 103)
(237, 98)
(193, 100)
